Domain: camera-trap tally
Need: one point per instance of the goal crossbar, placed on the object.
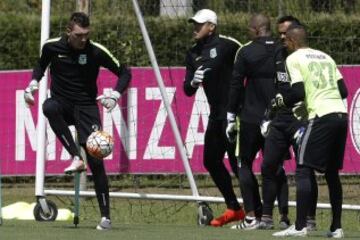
(172, 197)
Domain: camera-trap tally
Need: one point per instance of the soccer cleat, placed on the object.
(266, 223)
(228, 216)
(311, 225)
(338, 233)
(291, 232)
(77, 165)
(105, 224)
(249, 223)
(284, 224)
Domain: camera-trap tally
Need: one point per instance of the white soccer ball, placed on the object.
(99, 144)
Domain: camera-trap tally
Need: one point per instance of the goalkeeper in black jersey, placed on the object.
(252, 88)
(74, 63)
(282, 131)
(209, 63)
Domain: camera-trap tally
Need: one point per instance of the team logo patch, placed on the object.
(282, 77)
(213, 53)
(95, 127)
(82, 59)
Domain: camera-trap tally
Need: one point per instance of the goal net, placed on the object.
(146, 160)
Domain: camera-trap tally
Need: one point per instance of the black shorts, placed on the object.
(282, 130)
(276, 149)
(85, 118)
(287, 124)
(323, 143)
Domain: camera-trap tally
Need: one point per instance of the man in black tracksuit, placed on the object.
(210, 63)
(282, 132)
(74, 63)
(252, 88)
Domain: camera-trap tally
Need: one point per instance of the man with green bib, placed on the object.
(317, 82)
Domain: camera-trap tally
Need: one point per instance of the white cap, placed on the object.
(203, 16)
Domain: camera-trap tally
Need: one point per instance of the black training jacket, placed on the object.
(253, 84)
(74, 72)
(216, 52)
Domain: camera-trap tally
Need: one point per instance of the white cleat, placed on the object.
(338, 233)
(105, 224)
(291, 232)
(77, 165)
(247, 224)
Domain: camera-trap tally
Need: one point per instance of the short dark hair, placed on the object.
(298, 33)
(288, 18)
(297, 26)
(80, 19)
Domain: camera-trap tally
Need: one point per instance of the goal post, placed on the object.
(41, 125)
(160, 82)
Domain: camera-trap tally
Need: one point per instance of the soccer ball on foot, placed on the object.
(99, 144)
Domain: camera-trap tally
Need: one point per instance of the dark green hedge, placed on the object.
(20, 35)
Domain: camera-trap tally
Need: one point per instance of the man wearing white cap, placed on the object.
(209, 63)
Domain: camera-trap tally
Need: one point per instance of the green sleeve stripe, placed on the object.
(247, 43)
(231, 39)
(238, 51)
(49, 41)
(236, 55)
(107, 52)
(53, 40)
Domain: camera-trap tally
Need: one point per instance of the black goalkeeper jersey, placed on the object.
(74, 72)
(216, 52)
(253, 83)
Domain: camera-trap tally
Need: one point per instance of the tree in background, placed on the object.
(348, 5)
(322, 5)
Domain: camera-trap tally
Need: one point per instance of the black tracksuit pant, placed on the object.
(61, 114)
(251, 141)
(216, 144)
(277, 144)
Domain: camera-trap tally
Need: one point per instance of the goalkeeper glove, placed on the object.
(109, 100)
(300, 111)
(199, 76)
(265, 128)
(29, 92)
(278, 101)
(231, 130)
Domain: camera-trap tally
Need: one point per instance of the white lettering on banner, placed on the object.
(355, 121)
(127, 134)
(24, 124)
(153, 150)
(200, 111)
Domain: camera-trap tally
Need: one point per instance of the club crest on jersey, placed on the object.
(282, 77)
(213, 53)
(82, 59)
(95, 127)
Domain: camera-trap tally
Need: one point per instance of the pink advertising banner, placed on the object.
(144, 141)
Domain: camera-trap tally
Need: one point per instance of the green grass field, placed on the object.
(31, 230)
(144, 219)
